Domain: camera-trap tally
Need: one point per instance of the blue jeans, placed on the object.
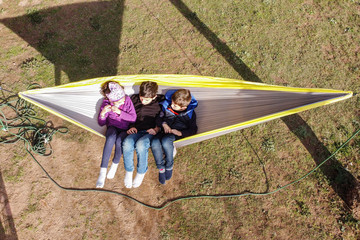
(139, 141)
(160, 145)
(114, 136)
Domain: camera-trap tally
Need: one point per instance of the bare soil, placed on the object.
(33, 207)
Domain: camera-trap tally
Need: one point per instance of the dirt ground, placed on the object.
(33, 207)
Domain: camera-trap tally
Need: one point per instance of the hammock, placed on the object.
(225, 105)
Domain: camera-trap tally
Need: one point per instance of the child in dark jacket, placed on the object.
(141, 132)
(178, 120)
(116, 112)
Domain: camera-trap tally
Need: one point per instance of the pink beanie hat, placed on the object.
(116, 92)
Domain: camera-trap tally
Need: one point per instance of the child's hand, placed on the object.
(131, 131)
(119, 103)
(106, 109)
(176, 132)
(116, 110)
(151, 131)
(166, 127)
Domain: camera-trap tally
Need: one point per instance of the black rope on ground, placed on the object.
(171, 201)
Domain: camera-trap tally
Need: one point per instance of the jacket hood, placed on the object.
(190, 108)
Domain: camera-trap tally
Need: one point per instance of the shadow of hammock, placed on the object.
(342, 181)
(81, 39)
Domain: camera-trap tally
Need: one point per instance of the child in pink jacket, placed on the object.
(116, 112)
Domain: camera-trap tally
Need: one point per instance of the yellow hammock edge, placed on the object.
(190, 81)
(196, 81)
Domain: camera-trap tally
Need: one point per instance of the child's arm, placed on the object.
(132, 130)
(168, 129)
(153, 131)
(104, 112)
(159, 119)
(128, 112)
(134, 98)
(158, 122)
(192, 127)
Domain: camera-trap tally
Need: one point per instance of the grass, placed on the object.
(13, 51)
(35, 16)
(15, 172)
(263, 33)
(293, 43)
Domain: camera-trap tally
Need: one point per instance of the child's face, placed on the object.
(177, 107)
(119, 102)
(146, 101)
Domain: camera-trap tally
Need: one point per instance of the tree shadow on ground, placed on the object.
(7, 225)
(342, 181)
(81, 40)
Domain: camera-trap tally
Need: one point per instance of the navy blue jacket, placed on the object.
(184, 121)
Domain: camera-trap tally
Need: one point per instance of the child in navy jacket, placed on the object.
(178, 120)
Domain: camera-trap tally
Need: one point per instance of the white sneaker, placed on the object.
(138, 180)
(128, 179)
(101, 180)
(112, 171)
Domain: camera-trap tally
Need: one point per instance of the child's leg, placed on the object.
(168, 145)
(128, 149)
(158, 153)
(118, 148)
(118, 152)
(109, 144)
(142, 151)
(119, 138)
(101, 179)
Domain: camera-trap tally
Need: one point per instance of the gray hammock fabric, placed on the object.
(220, 109)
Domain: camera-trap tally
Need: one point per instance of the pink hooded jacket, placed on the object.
(122, 121)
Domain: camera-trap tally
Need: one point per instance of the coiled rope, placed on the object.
(19, 123)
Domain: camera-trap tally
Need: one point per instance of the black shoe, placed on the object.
(168, 174)
(162, 177)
